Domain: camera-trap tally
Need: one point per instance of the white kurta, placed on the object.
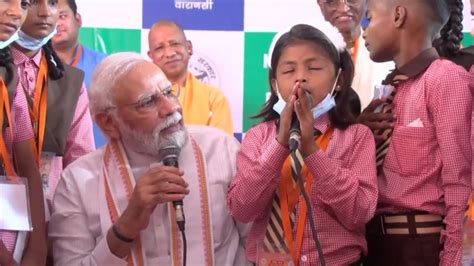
(75, 225)
(368, 74)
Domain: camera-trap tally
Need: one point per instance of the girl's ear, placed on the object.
(274, 85)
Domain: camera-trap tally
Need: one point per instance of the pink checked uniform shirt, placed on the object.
(428, 164)
(343, 194)
(22, 131)
(80, 139)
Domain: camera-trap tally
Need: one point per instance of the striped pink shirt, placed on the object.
(343, 196)
(428, 164)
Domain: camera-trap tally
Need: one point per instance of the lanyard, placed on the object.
(77, 55)
(5, 107)
(37, 108)
(289, 196)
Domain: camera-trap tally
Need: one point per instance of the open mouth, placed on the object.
(172, 128)
(344, 18)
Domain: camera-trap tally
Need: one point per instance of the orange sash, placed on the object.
(38, 109)
(77, 55)
(117, 182)
(5, 107)
(355, 51)
(290, 192)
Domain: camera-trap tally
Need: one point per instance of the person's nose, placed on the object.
(15, 9)
(169, 51)
(301, 76)
(44, 10)
(168, 105)
(342, 6)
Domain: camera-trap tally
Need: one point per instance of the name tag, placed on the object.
(45, 167)
(380, 92)
(14, 205)
(268, 258)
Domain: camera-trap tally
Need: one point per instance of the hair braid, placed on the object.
(451, 34)
(6, 61)
(55, 65)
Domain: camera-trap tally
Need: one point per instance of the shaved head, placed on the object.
(170, 50)
(166, 23)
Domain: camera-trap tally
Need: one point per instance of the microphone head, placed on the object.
(170, 155)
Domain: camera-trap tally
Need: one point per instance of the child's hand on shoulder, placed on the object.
(376, 121)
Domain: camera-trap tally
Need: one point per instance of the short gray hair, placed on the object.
(105, 78)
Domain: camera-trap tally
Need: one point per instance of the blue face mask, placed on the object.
(327, 103)
(13, 38)
(323, 107)
(31, 43)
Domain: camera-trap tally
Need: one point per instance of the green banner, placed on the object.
(111, 40)
(255, 75)
(468, 39)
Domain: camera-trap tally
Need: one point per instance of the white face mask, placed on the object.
(278, 106)
(323, 107)
(327, 103)
(31, 43)
(13, 38)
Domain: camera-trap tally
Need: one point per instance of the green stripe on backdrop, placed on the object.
(255, 75)
(111, 40)
(468, 39)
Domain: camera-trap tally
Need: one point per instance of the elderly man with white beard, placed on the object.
(114, 205)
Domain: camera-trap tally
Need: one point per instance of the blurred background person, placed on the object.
(67, 47)
(202, 104)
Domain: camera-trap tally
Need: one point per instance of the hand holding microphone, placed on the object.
(158, 185)
(170, 156)
(296, 122)
(303, 106)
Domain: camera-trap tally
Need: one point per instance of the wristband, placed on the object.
(120, 236)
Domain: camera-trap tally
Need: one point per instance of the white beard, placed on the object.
(151, 144)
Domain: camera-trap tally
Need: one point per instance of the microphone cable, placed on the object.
(310, 217)
(185, 248)
(178, 205)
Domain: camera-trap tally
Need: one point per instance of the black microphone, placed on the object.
(170, 155)
(295, 133)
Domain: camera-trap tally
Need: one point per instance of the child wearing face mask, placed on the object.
(16, 155)
(57, 108)
(310, 75)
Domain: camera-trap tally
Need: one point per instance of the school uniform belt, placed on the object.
(408, 224)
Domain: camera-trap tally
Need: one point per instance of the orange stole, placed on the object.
(290, 192)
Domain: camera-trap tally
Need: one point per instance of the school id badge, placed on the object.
(14, 204)
(382, 91)
(45, 167)
(274, 257)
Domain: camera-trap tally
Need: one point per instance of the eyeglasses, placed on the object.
(148, 103)
(335, 3)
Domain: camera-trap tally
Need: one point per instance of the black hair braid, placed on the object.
(451, 34)
(6, 61)
(55, 65)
